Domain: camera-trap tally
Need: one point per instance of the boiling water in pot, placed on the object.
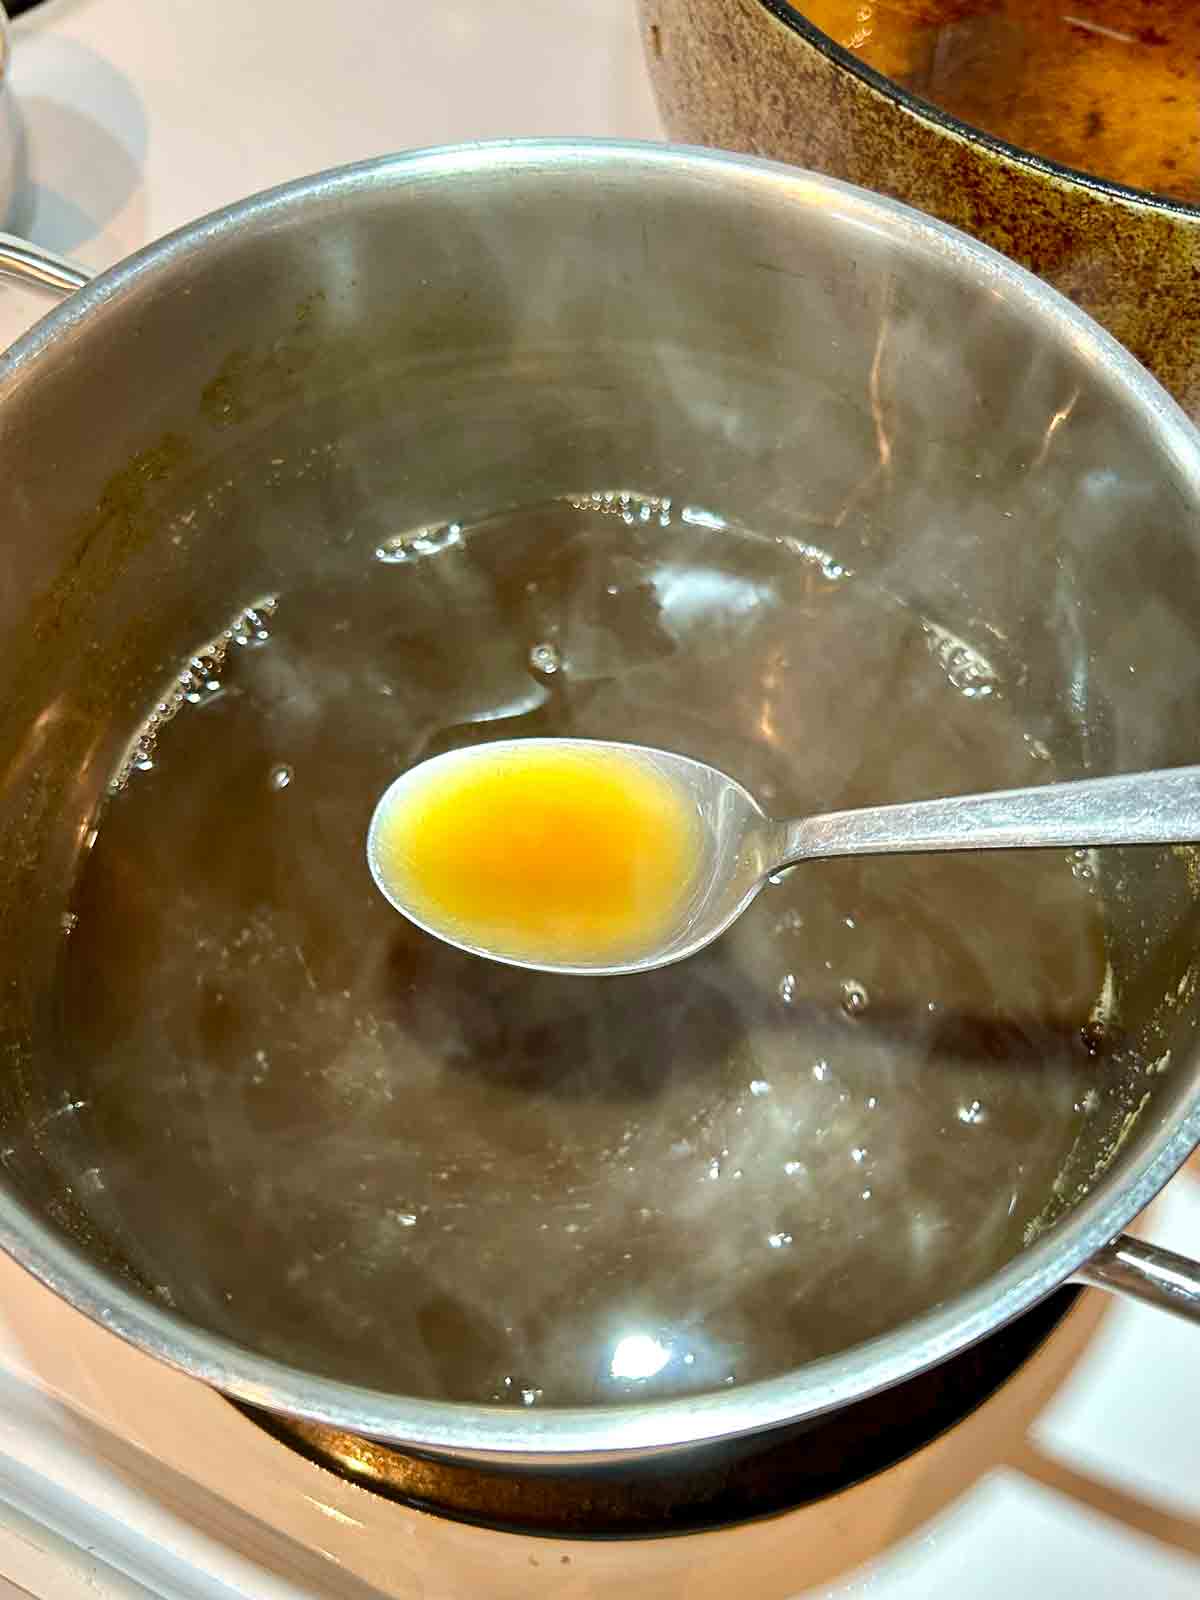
(395, 1163)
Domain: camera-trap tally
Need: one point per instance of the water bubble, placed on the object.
(820, 1071)
(1094, 1035)
(280, 776)
(827, 565)
(967, 670)
(787, 988)
(855, 998)
(793, 1169)
(198, 681)
(626, 504)
(969, 675)
(859, 1154)
(972, 1114)
(530, 1397)
(759, 1087)
(249, 627)
(872, 1101)
(714, 1169)
(1083, 864)
(419, 543)
(545, 658)
(779, 1241)
(697, 517)
(866, 1194)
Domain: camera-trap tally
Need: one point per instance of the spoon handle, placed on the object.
(1136, 808)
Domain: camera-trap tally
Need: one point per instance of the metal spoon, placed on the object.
(741, 847)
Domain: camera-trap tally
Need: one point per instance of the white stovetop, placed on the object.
(119, 1478)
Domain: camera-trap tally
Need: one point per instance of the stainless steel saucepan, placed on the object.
(666, 342)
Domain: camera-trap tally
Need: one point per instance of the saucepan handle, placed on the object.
(1140, 1271)
(32, 264)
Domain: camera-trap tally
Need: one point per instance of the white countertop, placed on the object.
(119, 1478)
(140, 117)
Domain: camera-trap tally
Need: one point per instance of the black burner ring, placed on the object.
(712, 1486)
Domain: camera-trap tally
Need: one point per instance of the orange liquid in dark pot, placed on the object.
(1108, 87)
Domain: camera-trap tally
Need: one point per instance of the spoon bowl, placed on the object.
(737, 846)
(734, 841)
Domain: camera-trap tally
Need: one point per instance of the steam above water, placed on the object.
(343, 1143)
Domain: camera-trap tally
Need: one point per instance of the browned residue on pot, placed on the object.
(249, 381)
(110, 534)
